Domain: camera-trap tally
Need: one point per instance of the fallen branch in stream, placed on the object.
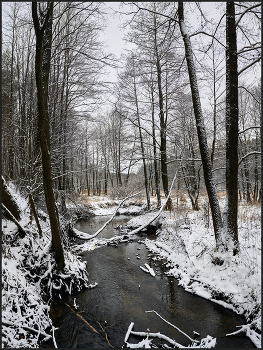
(54, 339)
(83, 235)
(155, 216)
(106, 335)
(82, 319)
(208, 342)
(170, 324)
(251, 331)
(146, 334)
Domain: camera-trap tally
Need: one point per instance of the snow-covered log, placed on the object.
(9, 201)
(155, 216)
(86, 236)
(12, 218)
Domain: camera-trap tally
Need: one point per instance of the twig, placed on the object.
(54, 340)
(82, 319)
(105, 334)
(87, 237)
(172, 325)
(10, 324)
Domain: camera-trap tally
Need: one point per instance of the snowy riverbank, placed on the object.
(184, 240)
(189, 246)
(28, 267)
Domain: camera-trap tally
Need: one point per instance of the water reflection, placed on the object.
(125, 292)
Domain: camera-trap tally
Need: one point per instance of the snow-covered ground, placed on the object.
(189, 247)
(184, 240)
(26, 264)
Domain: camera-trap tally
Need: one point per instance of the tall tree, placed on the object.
(230, 213)
(202, 138)
(43, 31)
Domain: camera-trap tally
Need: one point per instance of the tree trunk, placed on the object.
(146, 180)
(230, 213)
(33, 208)
(156, 174)
(9, 201)
(42, 67)
(206, 160)
(162, 127)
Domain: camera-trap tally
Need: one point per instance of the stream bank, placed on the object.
(124, 292)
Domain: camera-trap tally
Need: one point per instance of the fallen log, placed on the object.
(155, 216)
(9, 201)
(12, 218)
(83, 235)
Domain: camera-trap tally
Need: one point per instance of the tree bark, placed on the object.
(156, 174)
(12, 218)
(230, 214)
(163, 124)
(9, 201)
(33, 208)
(146, 180)
(42, 67)
(201, 132)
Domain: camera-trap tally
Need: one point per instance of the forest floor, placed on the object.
(184, 239)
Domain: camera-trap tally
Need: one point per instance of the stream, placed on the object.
(123, 294)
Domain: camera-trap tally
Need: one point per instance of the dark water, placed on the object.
(123, 294)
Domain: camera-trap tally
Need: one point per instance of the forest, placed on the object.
(180, 123)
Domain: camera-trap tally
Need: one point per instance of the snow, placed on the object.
(148, 269)
(189, 246)
(25, 265)
(184, 240)
(236, 284)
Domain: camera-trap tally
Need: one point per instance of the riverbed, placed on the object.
(124, 293)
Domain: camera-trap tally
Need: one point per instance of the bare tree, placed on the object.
(43, 29)
(206, 160)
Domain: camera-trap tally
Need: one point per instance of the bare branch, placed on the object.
(251, 127)
(250, 65)
(211, 35)
(248, 155)
(155, 12)
(243, 87)
(247, 10)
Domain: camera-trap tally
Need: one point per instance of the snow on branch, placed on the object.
(208, 342)
(148, 269)
(12, 218)
(250, 332)
(155, 216)
(172, 325)
(247, 155)
(86, 236)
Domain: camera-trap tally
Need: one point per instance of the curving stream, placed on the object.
(123, 294)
